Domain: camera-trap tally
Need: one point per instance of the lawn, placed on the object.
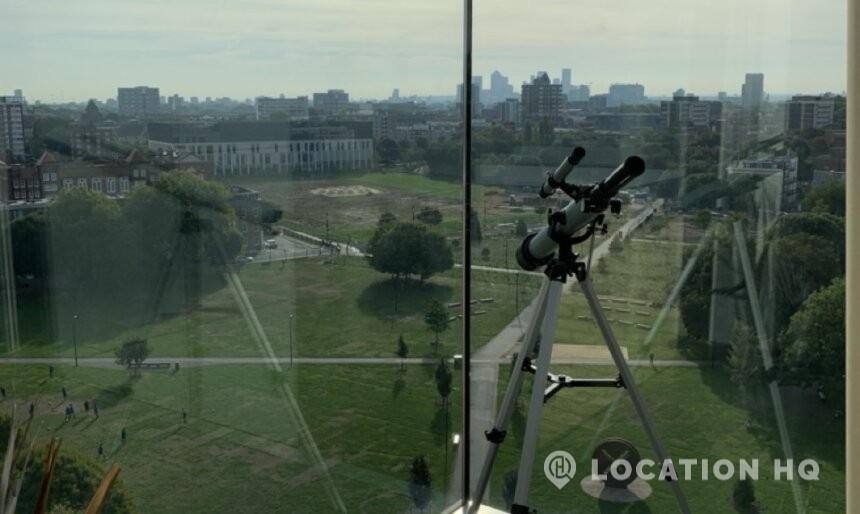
(634, 287)
(340, 308)
(242, 447)
(699, 414)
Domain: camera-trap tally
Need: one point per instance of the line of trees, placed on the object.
(117, 255)
(802, 265)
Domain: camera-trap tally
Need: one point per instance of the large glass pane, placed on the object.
(228, 243)
(720, 279)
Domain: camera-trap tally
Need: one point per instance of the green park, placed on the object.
(330, 383)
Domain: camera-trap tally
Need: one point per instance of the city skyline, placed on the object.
(248, 50)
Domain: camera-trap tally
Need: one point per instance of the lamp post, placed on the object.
(291, 340)
(75, 337)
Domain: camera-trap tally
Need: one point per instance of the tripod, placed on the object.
(542, 327)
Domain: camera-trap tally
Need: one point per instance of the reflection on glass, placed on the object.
(722, 276)
(228, 245)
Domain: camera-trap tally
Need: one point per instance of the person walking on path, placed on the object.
(184, 416)
(101, 451)
(65, 393)
(651, 358)
(122, 435)
(95, 410)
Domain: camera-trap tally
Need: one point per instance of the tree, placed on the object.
(546, 133)
(829, 197)
(799, 265)
(419, 483)
(203, 210)
(429, 216)
(75, 478)
(745, 365)
(435, 255)
(386, 219)
(695, 298)
(443, 380)
(436, 319)
(132, 353)
(521, 229)
(83, 228)
(701, 218)
(743, 496)
(29, 240)
(444, 159)
(474, 226)
(814, 343)
(270, 212)
(402, 351)
(388, 151)
(404, 249)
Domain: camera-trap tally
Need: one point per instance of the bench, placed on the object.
(154, 365)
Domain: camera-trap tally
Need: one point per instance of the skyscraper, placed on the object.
(625, 94)
(476, 98)
(565, 79)
(752, 90)
(11, 128)
(140, 101)
(541, 99)
(332, 101)
(805, 112)
(500, 89)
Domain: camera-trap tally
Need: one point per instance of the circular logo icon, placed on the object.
(559, 467)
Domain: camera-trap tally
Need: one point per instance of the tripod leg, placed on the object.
(630, 385)
(536, 402)
(515, 384)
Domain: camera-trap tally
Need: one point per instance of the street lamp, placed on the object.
(75, 337)
(291, 340)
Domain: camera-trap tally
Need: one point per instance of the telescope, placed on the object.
(589, 202)
(576, 223)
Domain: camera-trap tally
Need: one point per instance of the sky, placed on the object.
(56, 50)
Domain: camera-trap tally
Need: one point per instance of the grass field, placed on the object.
(245, 449)
(699, 415)
(242, 446)
(354, 218)
(635, 285)
(340, 308)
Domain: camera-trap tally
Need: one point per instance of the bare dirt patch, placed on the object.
(345, 191)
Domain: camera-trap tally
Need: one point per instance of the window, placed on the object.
(305, 376)
(82, 182)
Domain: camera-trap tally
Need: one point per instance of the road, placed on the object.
(307, 247)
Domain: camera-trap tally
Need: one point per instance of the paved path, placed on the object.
(109, 362)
